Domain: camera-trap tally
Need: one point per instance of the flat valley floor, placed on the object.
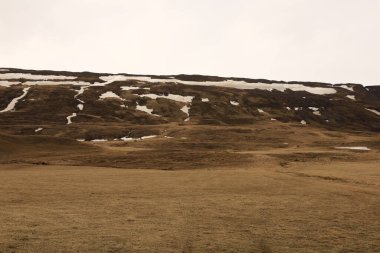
(302, 197)
(330, 208)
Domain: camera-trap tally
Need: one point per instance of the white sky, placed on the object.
(306, 40)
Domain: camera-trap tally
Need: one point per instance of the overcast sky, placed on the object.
(306, 40)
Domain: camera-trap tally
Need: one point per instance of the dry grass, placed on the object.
(261, 209)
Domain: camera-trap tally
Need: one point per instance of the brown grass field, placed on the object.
(197, 192)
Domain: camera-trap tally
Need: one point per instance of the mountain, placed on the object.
(195, 112)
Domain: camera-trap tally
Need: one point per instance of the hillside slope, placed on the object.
(50, 97)
(182, 121)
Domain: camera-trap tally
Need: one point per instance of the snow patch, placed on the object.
(126, 138)
(315, 111)
(205, 100)
(44, 83)
(186, 110)
(80, 92)
(148, 137)
(352, 97)
(8, 83)
(9, 76)
(260, 111)
(303, 122)
(70, 117)
(129, 88)
(145, 109)
(229, 84)
(235, 103)
(38, 129)
(99, 140)
(346, 87)
(373, 110)
(112, 78)
(136, 139)
(109, 94)
(354, 148)
(12, 104)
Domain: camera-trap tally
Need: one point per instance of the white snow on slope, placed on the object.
(186, 109)
(109, 94)
(136, 139)
(25, 76)
(260, 111)
(12, 104)
(346, 87)
(80, 92)
(303, 122)
(129, 88)
(315, 110)
(45, 83)
(373, 110)
(127, 139)
(178, 98)
(205, 100)
(76, 83)
(4, 70)
(235, 103)
(38, 129)
(352, 97)
(145, 109)
(7, 83)
(148, 137)
(228, 83)
(99, 140)
(70, 117)
(354, 148)
(113, 78)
